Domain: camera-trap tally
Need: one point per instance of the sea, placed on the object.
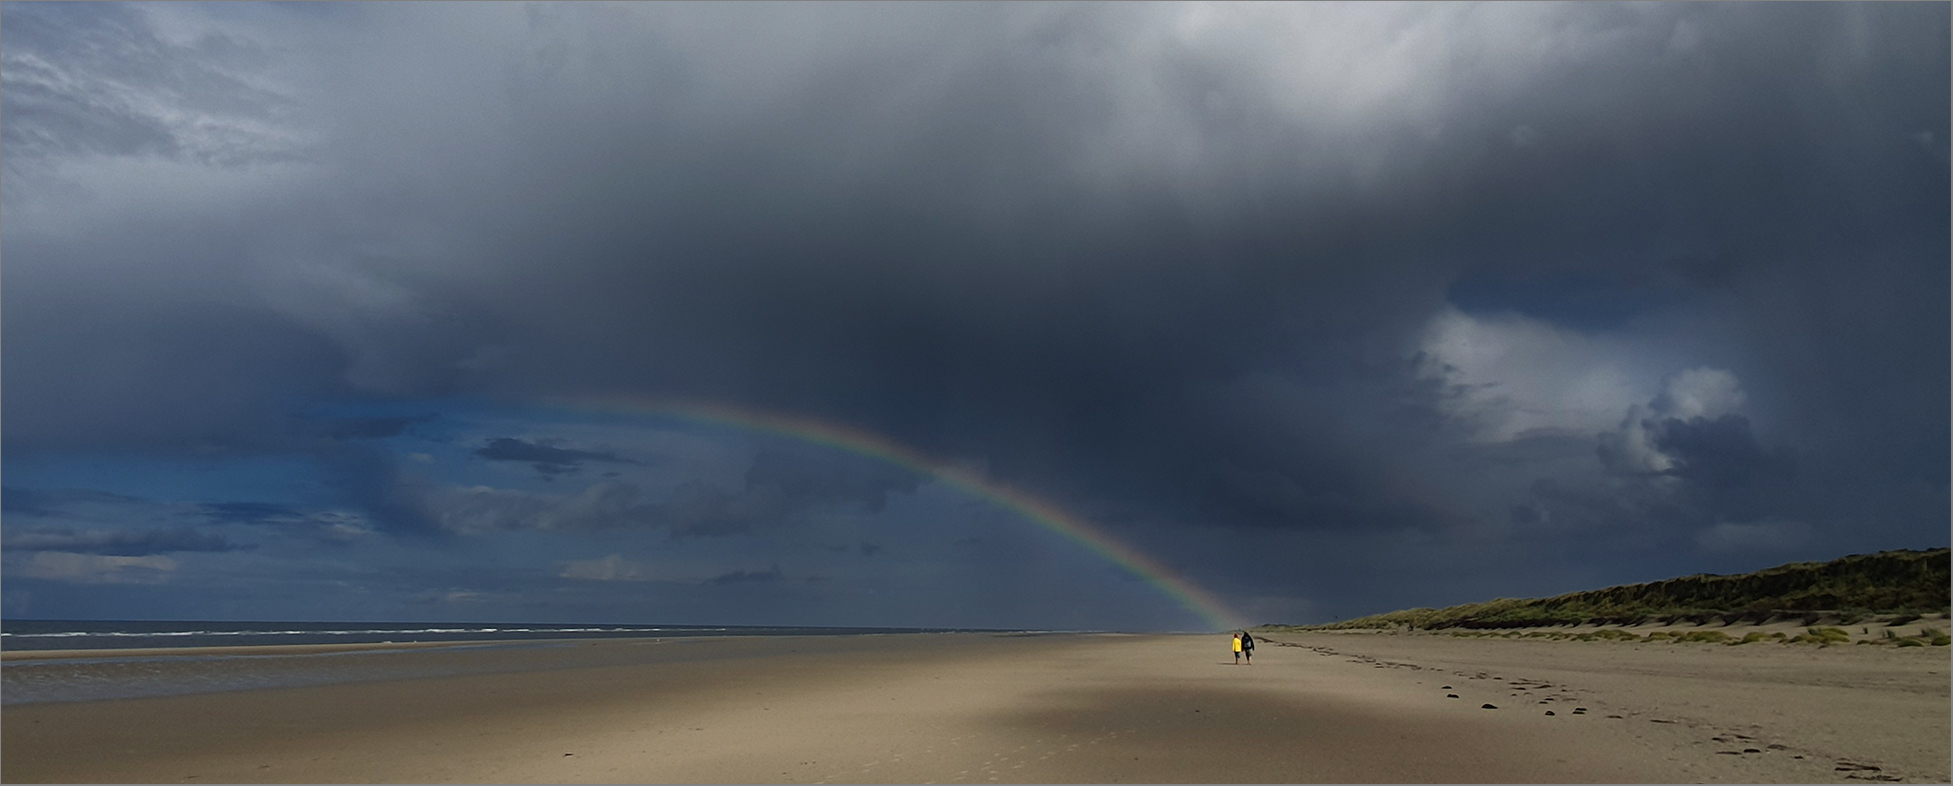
(146, 662)
(145, 634)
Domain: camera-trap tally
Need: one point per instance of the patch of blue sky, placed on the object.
(255, 478)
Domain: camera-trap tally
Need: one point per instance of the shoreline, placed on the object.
(1048, 708)
(270, 650)
(274, 650)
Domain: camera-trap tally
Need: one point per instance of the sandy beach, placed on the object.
(976, 708)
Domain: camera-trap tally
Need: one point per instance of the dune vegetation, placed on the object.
(1890, 585)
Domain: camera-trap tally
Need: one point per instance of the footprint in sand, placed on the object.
(1864, 772)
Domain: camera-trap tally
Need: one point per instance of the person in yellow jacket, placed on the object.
(1237, 648)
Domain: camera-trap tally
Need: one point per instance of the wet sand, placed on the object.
(1058, 708)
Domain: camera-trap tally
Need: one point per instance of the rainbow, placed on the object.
(1199, 601)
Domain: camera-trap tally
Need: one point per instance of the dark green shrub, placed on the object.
(1831, 634)
(1852, 589)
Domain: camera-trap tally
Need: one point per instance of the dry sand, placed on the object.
(1058, 708)
(1759, 713)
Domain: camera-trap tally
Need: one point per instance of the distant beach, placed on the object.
(988, 707)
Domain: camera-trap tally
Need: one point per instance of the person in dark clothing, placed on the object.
(1248, 647)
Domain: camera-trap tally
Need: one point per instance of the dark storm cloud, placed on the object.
(365, 428)
(1596, 508)
(401, 503)
(70, 519)
(1719, 453)
(115, 542)
(135, 375)
(1582, 300)
(46, 502)
(1165, 264)
(547, 458)
(600, 506)
(699, 509)
(843, 481)
(1300, 496)
(370, 479)
(248, 512)
(784, 486)
(747, 576)
(1092, 339)
(331, 527)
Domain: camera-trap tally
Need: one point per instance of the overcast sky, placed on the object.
(1331, 309)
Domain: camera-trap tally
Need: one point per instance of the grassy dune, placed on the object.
(1889, 585)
